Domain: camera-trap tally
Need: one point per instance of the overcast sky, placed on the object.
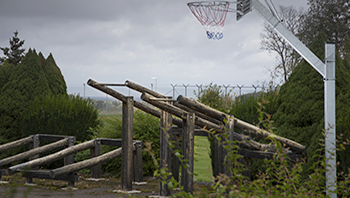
(145, 41)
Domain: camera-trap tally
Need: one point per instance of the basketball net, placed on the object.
(212, 16)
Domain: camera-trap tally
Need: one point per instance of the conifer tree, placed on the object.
(15, 53)
(300, 105)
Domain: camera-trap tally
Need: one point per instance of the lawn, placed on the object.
(202, 162)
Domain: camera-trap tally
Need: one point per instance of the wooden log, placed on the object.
(95, 152)
(165, 153)
(253, 131)
(86, 163)
(33, 145)
(143, 89)
(188, 153)
(107, 90)
(16, 143)
(248, 129)
(70, 159)
(178, 112)
(155, 112)
(197, 106)
(53, 157)
(176, 160)
(199, 114)
(122, 98)
(34, 151)
(138, 163)
(127, 144)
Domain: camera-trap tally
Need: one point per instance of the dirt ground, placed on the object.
(84, 188)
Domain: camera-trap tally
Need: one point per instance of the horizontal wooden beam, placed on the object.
(16, 143)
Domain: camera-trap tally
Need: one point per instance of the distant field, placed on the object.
(202, 163)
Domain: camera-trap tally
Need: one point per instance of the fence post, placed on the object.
(188, 152)
(94, 152)
(138, 172)
(33, 145)
(127, 144)
(165, 152)
(70, 159)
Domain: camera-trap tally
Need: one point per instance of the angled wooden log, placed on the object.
(86, 163)
(197, 106)
(143, 89)
(53, 157)
(34, 151)
(122, 98)
(16, 143)
(177, 111)
(248, 129)
(199, 114)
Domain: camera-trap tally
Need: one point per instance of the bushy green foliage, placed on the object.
(146, 129)
(300, 114)
(24, 83)
(279, 178)
(60, 115)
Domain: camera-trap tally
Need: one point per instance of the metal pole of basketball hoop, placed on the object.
(213, 23)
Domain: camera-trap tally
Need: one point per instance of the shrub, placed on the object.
(61, 115)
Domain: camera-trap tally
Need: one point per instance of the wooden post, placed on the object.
(230, 131)
(188, 152)
(165, 152)
(70, 159)
(138, 171)
(127, 144)
(175, 162)
(94, 152)
(33, 145)
(218, 156)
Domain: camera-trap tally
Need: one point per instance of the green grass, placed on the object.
(202, 164)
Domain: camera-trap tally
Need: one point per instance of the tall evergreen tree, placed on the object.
(54, 76)
(26, 82)
(300, 114)
(15, 53)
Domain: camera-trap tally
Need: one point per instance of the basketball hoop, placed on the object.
(212, 16)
